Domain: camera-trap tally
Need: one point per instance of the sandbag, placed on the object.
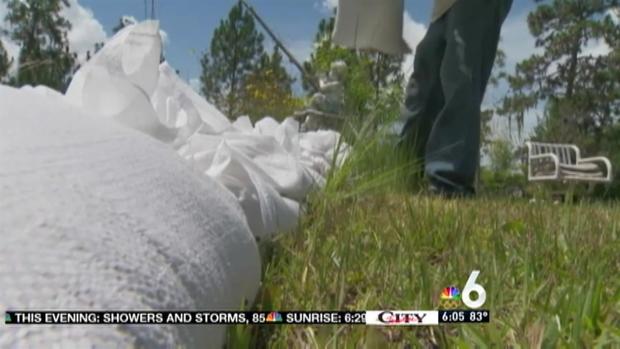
(95, 216)
(371, 24)
(174, 100)
(118, 81)
(267, 212)
(98, 212)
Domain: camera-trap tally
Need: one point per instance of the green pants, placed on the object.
(452, 66)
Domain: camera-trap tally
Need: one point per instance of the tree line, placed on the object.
(242, 78)
(578, 90)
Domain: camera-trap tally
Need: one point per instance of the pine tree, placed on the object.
(580, 91)
(386, 70)
(41, 32)
(236, 48)
(5, 62)
(486, 116)
(267, 90)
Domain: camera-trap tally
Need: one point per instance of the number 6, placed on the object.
(472, 286)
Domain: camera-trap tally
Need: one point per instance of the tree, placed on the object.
(5, 62)
(580, 90)
(41, 32)
(373, 81)
(267, 90)
(236, 48)
(96, 48)
(487, 114)
(501, 156)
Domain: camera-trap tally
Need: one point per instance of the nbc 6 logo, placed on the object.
(472, 287)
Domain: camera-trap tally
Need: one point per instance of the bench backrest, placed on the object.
(566, 153)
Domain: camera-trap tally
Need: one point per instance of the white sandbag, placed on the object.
(243, 124)
(173, 99)
(285, 133)
(371, 24)
(253, 188)
(96, 216)
(264, 168)
(282, 168)
(118, 81)
(258, 172)
(321, 149)
(200, 150)
(266, 211)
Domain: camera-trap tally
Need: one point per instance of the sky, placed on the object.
(188, 25)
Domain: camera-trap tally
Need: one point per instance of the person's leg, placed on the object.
(452, 150)
(423, 95)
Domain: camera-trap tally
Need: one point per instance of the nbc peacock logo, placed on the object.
(274, 316)
(450, 298)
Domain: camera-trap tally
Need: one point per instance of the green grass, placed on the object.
(551, 271)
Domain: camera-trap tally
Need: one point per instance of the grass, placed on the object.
(551, 271)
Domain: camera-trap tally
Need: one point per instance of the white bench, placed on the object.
(559, 162)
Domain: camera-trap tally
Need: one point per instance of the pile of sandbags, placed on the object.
(269, 167)
(132, 192)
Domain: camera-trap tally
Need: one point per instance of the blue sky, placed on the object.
(190, 23)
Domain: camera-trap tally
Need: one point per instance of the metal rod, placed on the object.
(279, 43)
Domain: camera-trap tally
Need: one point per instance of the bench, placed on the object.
(563, 162)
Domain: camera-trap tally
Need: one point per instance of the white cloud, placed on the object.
(596, 48)
(329, 4)
(413, 33)
(85, 31)
(615, 15)
(517, 42)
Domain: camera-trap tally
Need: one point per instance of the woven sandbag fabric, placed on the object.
(95, 216)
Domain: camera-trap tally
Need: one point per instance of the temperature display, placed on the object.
(463, 316)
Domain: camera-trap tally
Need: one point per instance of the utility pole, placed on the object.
(279, 44)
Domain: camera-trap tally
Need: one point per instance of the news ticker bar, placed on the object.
(377, 317)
